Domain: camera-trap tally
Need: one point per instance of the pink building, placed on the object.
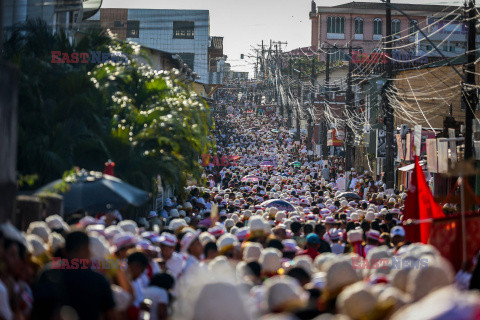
(363, 25)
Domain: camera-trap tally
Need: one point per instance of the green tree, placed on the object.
(146, 121)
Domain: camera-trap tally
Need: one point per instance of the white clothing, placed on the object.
(337, 248)
(137, 286)
(156, 295)
(340, 183)
(175, 264)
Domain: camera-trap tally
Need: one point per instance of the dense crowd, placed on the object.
(293, 238)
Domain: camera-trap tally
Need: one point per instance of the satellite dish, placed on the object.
(90, 7)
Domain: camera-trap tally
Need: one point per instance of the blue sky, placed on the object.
(245, 23)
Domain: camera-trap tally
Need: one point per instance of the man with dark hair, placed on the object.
(73, 284)
(320, 232)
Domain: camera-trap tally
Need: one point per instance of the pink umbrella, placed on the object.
(250, 179)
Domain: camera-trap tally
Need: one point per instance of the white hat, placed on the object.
(340, 274)
(56, 241)
(205, 238)
(174, 213)
(356, 301)
(129, 226)
(124, 239)
(252, 251)
(290, 245)
(438, 273)
(168, 239)
(37, 244)
(229, 223)
(188, 239)
(176, 224)
(39, 228)
(304, 262)
(322, 260)
(284, 294)
(370, 216)
(56, 222)
(226, 242)
(99, 247)
(217, 300)
(271, 260)
(355, 235)
(397, 231)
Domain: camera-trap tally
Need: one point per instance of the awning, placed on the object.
(411, 166)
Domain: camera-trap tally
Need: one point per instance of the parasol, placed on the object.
(250, 179)
(279, 204)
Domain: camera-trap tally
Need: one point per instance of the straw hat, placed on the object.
(284, 294)
(176, 224)
(304, 262)
(56, 222)
(188, 239)
(56, 241)
(168, 239)
(370, 216)
(355, 235)
(128, 226)
(270, 260)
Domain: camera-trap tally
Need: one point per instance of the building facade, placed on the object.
(185, 33)
(362, 25)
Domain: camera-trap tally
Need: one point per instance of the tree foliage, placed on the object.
(146, 121)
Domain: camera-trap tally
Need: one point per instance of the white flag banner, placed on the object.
(442, 149)
(432, 155)
(418, 140)
(453, 145)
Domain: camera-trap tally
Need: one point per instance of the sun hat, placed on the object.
(188, 239)
(168, 239)
(284, 294)
(216, 231)
(252, 251)
(373, 234)
(270, 260)
(339, 273)
(226, 242)
(37, 245)
(290, 245)
(370, 216)
(99, 246)
(56, 222)
(242, 233)
(334, 234)
(206, 237)
(56, 241)
(39, 228)
(129, 226)
(123, 240)
(356, 301)
(321, 261)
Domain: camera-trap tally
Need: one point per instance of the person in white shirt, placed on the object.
(174, 261)
(192, 250)
(340, 183)
(157, 293)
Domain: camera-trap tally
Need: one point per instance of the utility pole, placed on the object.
(389, 165)
(349, 151)
(327, 70)
(289, 107)
(469, 96)
(300, 99)
(312, 108)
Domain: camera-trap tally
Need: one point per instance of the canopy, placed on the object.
(279, 204)
(250, 179)
(95, 192)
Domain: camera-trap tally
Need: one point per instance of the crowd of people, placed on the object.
(296, 239)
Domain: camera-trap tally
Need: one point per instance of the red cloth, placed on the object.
(420, 204)
(109, 168)
(312, 252)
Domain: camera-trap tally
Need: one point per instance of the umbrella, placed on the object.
(349, 196)
(94, 191)
(279, 204)
(250, 179)
(296, 164)
(268, 164)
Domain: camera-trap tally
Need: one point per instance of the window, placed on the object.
(413, 29)
(335, 25)
(188, 58)
(396, 28)
(449, 48)
(133, 28)
(377, 29)
(358, 26)
(183, 29)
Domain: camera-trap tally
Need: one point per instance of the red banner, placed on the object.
(223, 161)
(446, 236)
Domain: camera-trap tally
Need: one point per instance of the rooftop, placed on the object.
(402, 6)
